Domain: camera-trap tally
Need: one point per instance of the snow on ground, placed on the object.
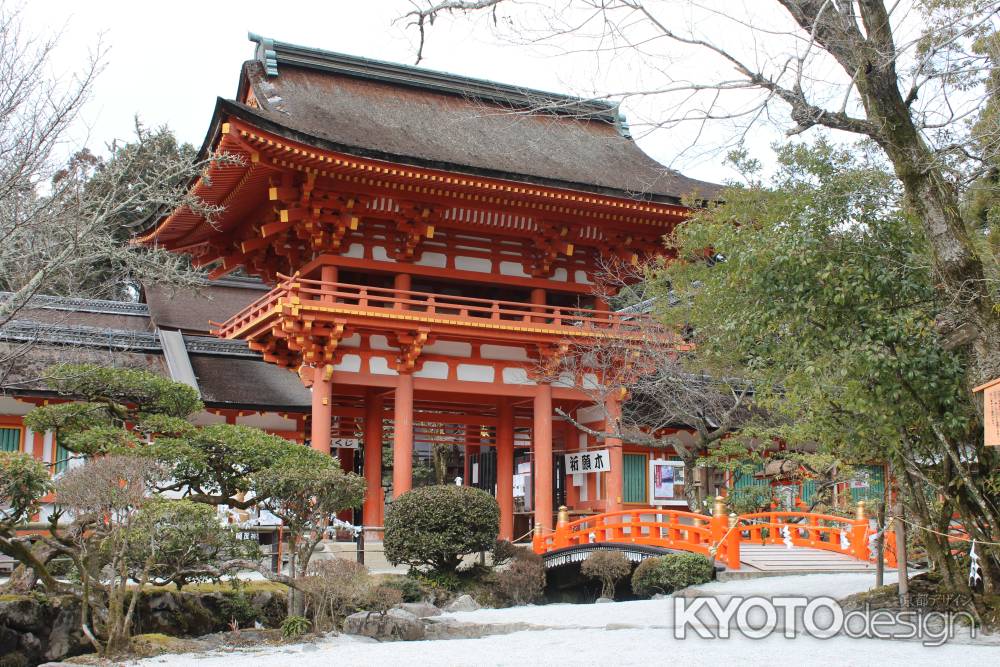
(623, 633)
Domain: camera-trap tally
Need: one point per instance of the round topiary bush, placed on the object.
(434, 526)
(669, 573)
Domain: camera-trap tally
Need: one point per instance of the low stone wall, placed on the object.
(36, 629)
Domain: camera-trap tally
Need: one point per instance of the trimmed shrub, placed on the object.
(434, 526)
(503, 552)
(523, 580)
(669, 573)
(609, 567)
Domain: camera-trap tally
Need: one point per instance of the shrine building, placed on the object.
(428, 242)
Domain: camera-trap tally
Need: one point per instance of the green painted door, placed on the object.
(10, 439)
(635, 478)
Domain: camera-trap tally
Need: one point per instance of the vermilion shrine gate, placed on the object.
(430, 245)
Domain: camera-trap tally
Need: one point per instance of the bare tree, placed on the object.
(912, 76)
(646, 369)
(63, 213)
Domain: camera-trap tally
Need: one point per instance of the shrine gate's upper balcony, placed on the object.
(315, 303)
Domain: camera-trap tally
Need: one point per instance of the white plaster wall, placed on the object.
(475, 373)
(350, 363)
(204, 418)
(380, 366)
(513, 269)
(436, 370)
(379, 342)
(436, 259)
(478, 264)
(267, 420)
(357, 250)
(10, 406)
(503, 352)
(516, 375)
(449, 348)
(560, 275)
(379, 253)
(353, 340)
(591, 413)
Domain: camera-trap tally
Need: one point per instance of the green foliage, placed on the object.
(821, 295)
(669, 573)
(750, 499)
(117, 407)
(236, 606)
(503, 552)
(295, 626)
(23, 482)
(184, 541)
(154, 393)
(223, 460)
(435, 526)
(608, 567)
(306, 495)
(410, 587)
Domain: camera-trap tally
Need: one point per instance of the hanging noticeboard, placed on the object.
(345, 443)
(991, 412)
(593, 460)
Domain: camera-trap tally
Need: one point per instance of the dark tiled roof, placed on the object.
(249, 382)
(228, 373)
(190, 310)
(413, 116)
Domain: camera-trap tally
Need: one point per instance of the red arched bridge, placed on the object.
(731, 539)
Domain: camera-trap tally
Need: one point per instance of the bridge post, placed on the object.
(859, 533)
(537, 544)
(733, 543)
(561, 537)
(718, 524)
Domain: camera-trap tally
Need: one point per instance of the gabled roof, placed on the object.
(409, 115)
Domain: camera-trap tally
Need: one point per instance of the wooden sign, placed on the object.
(594, 460)
(991, 412)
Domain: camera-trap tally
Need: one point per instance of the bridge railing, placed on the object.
(669, 529)
(806, 529)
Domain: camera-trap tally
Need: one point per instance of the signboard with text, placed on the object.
(595, 460)
(991, 412)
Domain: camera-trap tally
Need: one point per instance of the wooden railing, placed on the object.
(669, 529)
(717, 536)
(806, 529)
(305, 293)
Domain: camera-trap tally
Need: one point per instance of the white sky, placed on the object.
(168, 61)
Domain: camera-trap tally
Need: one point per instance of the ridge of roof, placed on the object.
(83, 304)
(271, 53)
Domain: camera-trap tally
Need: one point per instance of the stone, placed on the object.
(463, 603)
(419, 609)
(603, 600)
(660, 596)
(22, 613)
(395, 625)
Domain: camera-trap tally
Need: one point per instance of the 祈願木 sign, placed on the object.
(596, 460)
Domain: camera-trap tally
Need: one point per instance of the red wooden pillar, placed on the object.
(505, 467)
(322, 410)
(374, 500)
(402, 281)
(538, 299)
(402, 445)
(615, 478)
(328, 274)
(542, 444)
